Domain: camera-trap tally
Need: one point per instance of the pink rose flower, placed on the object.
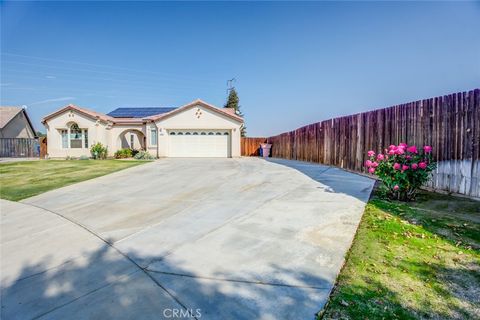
(405, 167)
(371, 153)
(412, 149)
(392, 146)
(396, 187)
(375, 164)
(427, 149)
(400, 151)
(396, 166)
(403, 145)
(408, 157)
(368, 163)
(414, 166)
(371, 170)
(422, 165)
(391, 152)
(380, 157)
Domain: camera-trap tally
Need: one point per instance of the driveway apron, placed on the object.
(217, 238)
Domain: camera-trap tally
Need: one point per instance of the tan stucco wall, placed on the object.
(118, 131)
(97, 132)
(190, 119)
(18, 127)
(109, 135)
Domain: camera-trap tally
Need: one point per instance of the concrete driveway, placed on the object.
(219, 238)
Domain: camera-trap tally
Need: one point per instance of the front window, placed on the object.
(64, 139)
(85, 135)
(74, 137)
(132, 141)
(153, 137)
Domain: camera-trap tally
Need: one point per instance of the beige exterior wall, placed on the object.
(110, 135)
(120, 133)
(97, 132)
(153, 149)
(18, 127)
(198, 117)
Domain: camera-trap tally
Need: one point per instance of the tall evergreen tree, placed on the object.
(233, 102)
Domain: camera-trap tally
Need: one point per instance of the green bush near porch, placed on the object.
(123, 153)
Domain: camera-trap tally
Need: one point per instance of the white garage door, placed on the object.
(199, 143)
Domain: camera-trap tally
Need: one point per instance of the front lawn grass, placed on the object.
(418, 260)
(20, 180)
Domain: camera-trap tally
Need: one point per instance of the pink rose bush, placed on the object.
(403, 169)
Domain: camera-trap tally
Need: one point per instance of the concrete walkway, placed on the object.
(220, 238)
(4, 160)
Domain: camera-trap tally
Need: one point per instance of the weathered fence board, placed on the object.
(19, 148)
(251, 146)
(451, 124)
(43, 147)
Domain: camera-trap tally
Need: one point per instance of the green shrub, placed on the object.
(123, 153)
(144, 155)
(98, 151)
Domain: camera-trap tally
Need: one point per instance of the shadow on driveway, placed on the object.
(335, 179)
(105, 285)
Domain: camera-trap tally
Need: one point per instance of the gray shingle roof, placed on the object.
(7, 114)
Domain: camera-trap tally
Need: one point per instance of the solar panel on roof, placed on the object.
(139, 112)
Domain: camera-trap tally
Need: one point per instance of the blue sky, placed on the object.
(294, 63)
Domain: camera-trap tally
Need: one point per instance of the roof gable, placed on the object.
(137, 113)
(89, 113)
(7, 114)
(194, 104)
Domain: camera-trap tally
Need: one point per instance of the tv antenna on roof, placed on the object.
(230, 84)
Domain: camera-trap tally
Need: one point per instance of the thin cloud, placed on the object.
(50, 77)
(53, 100)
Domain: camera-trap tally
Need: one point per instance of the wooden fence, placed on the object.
(451, 124)
(251, 146)
(43, 147)
(19, 148)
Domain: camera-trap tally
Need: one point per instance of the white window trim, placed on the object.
(153, 132)
(69, 138)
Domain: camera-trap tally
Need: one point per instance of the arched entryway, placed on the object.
(131, 139)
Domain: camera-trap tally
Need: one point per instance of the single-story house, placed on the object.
(197, 129)
(15, 123)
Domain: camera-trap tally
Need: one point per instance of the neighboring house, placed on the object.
(197, 129)
(15, 123)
